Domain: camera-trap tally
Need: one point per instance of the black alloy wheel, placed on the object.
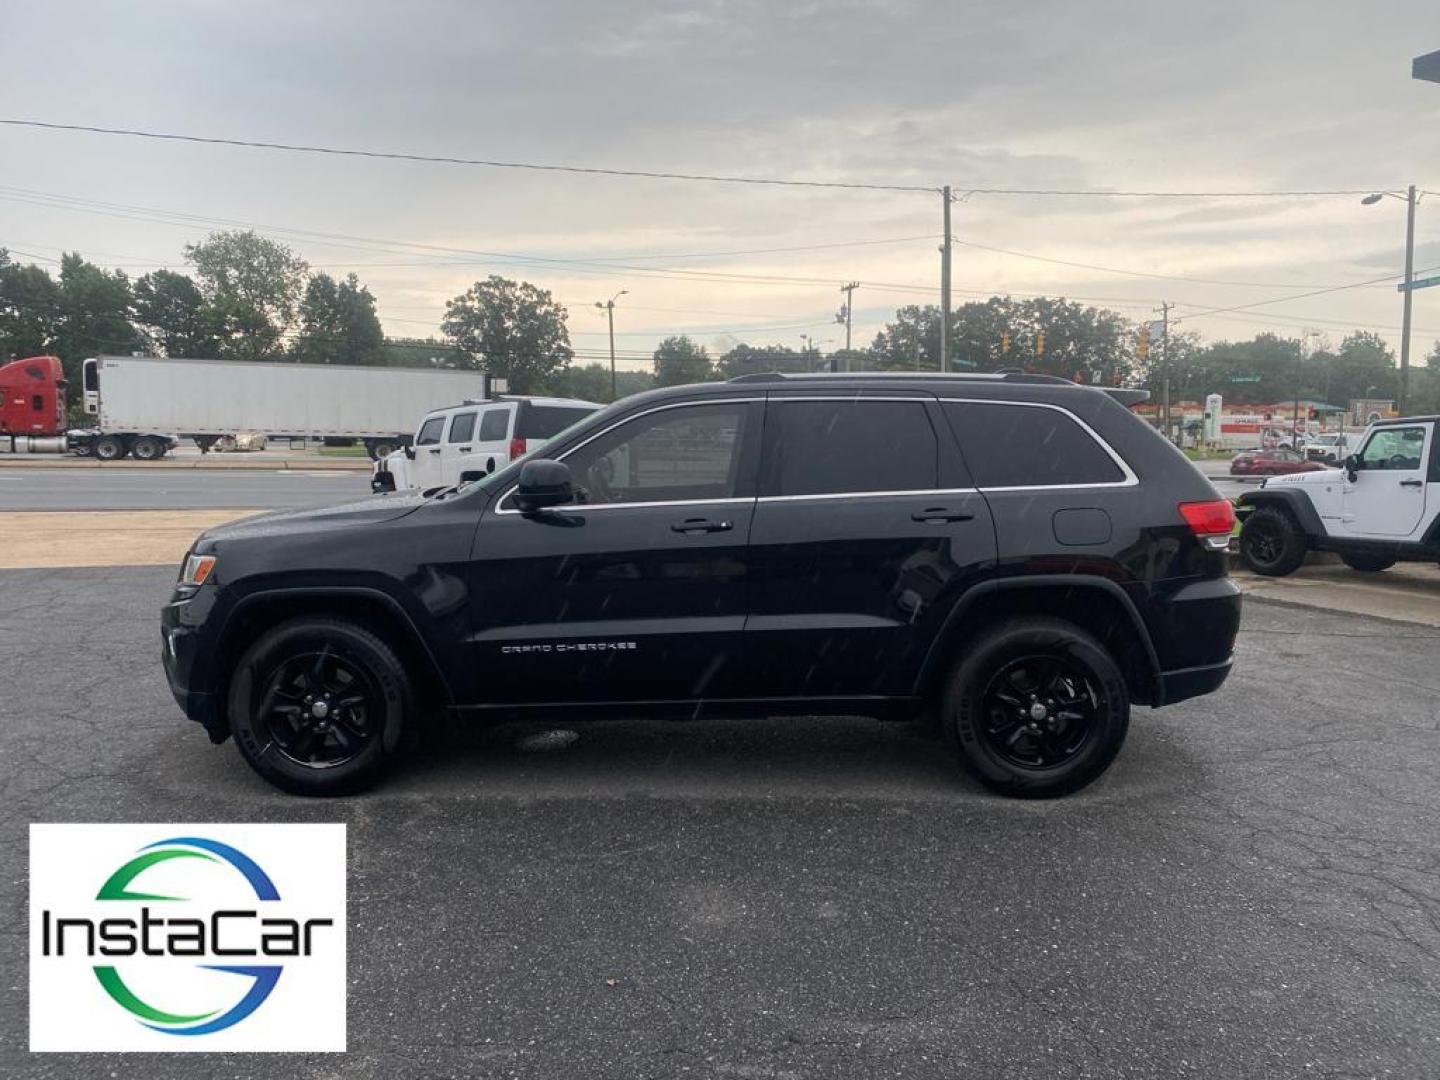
(320, 710)
(1040, 711)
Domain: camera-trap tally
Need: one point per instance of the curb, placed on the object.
(276, 464)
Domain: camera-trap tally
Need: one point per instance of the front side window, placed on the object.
(673, 455)
(430, 431)
(494, 423)
(1395, 448)
(462, 427)
(1028, 446)
(839, 447)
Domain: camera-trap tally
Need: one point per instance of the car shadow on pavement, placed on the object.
(851, 757)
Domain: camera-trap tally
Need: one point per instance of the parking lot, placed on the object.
(1251, 891)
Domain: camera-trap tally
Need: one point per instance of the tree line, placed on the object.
(251, 298)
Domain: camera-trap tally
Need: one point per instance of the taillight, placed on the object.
(1210, 521)
(517, 448)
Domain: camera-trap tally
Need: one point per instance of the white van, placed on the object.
(476, 436)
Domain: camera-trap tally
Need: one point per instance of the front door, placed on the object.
(1387, 496)
(425, 467)
(458, 449)
(636, 593)
(866, 530)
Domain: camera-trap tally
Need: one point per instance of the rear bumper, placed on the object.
(1183, 683)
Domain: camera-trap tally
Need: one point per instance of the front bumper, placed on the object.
(183, 651)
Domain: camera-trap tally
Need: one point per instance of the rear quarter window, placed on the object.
(1028, 446)
(543, 421)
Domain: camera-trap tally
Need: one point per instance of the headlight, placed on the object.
(196, 569)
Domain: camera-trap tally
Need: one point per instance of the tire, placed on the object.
(1022, 664)
(148, 449)
(1271, 542)
(281, 733)
(109, 448)
(1370, 564)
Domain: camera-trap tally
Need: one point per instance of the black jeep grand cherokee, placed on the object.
(1016, 556)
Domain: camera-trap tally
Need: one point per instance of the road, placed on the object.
(167, 489)
(1253, 891)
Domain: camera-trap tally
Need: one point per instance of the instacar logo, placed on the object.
(188, 939)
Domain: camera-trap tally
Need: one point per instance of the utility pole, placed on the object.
(1164, 310)
(849, 291)
(945, 286)
(609, 306)
(1404, 395)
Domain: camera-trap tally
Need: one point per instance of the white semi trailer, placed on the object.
(140, 403)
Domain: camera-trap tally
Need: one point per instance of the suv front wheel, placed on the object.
(318, 706)
(1037, 708)
(1271, 543)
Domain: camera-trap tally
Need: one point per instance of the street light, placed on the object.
(609, 308)
(1410, 200)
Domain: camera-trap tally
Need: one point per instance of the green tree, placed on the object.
(174, 317)
(678, 360)
(513, 329)
(749, 359)
(252, 286)
(338, 324)
(95, 311)
(30, 310)
(423, 352)
(1364, 362)
(591, 382)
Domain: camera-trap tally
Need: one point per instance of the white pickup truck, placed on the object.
(1381, 506)
(475, 437)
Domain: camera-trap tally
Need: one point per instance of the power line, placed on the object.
(440, 159)
(443, 159)
(1301, 296)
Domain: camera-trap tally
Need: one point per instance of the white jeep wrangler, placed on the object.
(1380, 506)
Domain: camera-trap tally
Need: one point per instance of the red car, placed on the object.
(1271, 463)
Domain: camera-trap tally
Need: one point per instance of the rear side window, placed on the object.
(543, 421)
(833, 447)
(430, 431)
(1028, 446)
(462, 427)
(494, 423)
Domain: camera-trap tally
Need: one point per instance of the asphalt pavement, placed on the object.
(1253, 890)
(118, 488)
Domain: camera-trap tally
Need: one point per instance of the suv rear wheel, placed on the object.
(318, 706)
(1036, 709)
(1271, 543)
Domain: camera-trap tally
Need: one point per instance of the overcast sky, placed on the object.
(1095, 95)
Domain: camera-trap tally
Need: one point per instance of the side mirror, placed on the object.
(1353, 465)
(543, 484)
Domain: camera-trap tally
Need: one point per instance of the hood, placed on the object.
(1318, 476)
(369, 511)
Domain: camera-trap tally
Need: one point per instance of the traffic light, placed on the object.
(1142, 343)
(1040, 343)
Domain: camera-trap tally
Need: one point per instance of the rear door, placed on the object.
(866, 530)
(458, 447)
(492, 437)
(1387, 497)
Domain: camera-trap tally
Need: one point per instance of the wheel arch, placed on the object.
(261, 610)
(1299, 506)
(1096, 605)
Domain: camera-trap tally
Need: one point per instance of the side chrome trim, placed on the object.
(1130, 479)
(867, 495)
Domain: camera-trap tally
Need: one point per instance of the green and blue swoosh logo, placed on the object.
(121, 885)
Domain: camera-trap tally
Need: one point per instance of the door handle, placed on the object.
(436, 450)
(1412, 483)
(465, 449)
(939, 515)
(701, 525)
